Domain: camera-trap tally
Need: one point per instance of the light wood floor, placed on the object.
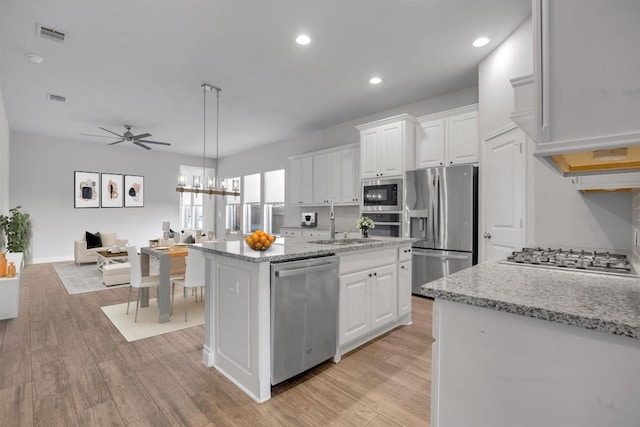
(62, 363)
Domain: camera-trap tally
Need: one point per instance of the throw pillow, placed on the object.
(93, 240)
(189, 239)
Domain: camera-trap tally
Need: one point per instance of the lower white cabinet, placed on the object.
(404, 288)
(384, 295)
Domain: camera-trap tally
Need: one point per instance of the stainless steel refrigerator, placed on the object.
(441, 211)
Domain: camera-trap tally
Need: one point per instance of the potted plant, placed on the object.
(16, 229)
(364, 224)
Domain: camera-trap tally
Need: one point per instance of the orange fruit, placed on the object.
(255, 238)
(263, 240)
(271, 239)
(248, 240)
(267, 244)
(257, 245)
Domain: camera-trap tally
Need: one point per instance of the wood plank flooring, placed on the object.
(62, 363)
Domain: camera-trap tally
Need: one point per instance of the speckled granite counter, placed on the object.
(592, 301)
(290, 248)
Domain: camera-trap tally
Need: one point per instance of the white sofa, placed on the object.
(83, 255)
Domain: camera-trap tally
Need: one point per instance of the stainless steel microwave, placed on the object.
(382, 195)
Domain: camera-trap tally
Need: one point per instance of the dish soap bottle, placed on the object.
(11, 270)
(3, 264)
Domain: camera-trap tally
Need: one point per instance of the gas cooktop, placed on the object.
(577, 260)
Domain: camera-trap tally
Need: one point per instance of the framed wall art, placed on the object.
(86, 189)
(133, 191)
(111, 194)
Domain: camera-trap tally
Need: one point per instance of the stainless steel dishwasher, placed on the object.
(304, 314)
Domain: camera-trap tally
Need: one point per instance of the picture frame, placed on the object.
(133, 191)
(111, 194)
(86, 190)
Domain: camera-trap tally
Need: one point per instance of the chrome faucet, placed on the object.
(332, 223)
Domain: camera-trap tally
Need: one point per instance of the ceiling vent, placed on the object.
(58, 98)
(50, 33)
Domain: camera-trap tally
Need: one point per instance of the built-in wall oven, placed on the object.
(387, 224)
(382, 195)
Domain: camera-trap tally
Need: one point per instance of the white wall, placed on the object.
(275, 156)
(557, 215)
(4, 149)
(42, 182)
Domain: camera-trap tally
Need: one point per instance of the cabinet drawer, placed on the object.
(404, 253)
(367, 260)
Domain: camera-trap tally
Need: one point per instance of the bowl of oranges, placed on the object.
(259, 240)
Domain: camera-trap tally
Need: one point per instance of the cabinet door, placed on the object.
(334, 177)
(462, 139)
(404, 288)
(320, 179)
(390, 150)
(354, 306)
(384, 295)
(295, 182)
(430, 144)
(306, 180)
(369, 153)
(350, 176)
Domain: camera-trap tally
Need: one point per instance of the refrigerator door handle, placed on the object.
(442, 257)
(436, 227)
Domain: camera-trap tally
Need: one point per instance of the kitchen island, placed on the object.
(527, 346)
(374, 297)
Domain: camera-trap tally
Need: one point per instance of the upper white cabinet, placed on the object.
(583, 95)
(322, 177)
(447, 138)
(301, 181)
(385, 146)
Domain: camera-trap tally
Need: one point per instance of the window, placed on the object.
(233, 211)
(191, 204)
(273, 201)
(251, 194)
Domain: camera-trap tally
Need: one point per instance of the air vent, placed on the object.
(58, 98)
(50, 33)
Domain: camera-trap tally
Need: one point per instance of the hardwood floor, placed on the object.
(62, 363)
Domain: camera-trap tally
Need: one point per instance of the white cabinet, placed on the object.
(385, 145)
(290, 232)
(404, 280)
(350, 176)
(327, 168)
(315, 233)
(301, 181)
(448, 138)
(371, 300)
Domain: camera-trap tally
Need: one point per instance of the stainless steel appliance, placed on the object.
(387, 224)
(304, 306)
(574, 260)
(309, 219)
(442, 212)
(382, 195)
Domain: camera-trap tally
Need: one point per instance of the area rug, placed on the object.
(78, 279)
(147, 325)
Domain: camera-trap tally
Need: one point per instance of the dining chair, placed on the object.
(136, 279)
(193, 279)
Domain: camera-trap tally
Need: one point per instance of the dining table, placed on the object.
(163, 255)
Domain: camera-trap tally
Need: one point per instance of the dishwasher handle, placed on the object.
(305, 270)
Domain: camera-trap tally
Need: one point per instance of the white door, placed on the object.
(350, 176)
(354, 316)
(404, 288)
(384, 295)
(430, 144)
(369, 153)
(320, 168)
(462, 138)
(390, 152)
(503, 182)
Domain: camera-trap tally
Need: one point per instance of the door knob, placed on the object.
(487, 235)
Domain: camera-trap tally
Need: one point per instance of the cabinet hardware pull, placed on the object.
(375, 274)
(369, 274)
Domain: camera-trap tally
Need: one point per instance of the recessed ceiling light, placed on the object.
(35, 59)
(375, 80)
(303, 39)
(480, 41)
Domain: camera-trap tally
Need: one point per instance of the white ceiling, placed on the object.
(142, 62)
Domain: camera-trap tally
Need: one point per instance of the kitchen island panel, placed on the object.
(492, 368)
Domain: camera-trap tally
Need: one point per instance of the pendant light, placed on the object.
(206, 184)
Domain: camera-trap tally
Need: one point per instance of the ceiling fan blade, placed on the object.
(142, 135)
(142, 145)
(107, 130)
(153, 142)
(116, 142)
(100, 136)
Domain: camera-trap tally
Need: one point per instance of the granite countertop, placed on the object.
(588, 300)
(290, 248)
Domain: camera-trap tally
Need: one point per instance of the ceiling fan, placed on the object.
(129, 137)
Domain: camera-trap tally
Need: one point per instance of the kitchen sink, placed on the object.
(340, 241)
